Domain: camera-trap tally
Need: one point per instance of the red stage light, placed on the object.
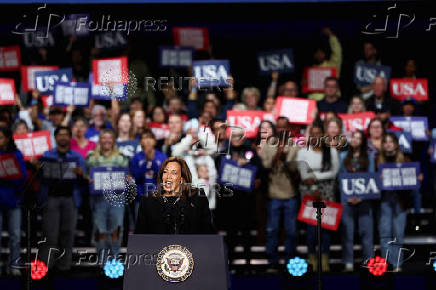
(38, 270)
(377, 266)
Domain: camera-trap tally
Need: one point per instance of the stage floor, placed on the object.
(332, 281)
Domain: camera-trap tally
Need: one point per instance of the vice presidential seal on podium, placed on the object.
(174, 263)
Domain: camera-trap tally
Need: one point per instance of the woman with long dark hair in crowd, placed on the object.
(282, 193)
(318, 167)
(393, 206)
(127, 144)
(139, 120)
(357, 159)
(375, 134)
(10, 197)
(333, 128)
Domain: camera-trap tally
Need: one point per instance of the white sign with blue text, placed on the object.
(363, 185)
(45, 80)
(175, 56)
(281, 61)
(364, 74)
(106, 92)
(76, 94)
(211, 73)
(400, 176)
(107, 178)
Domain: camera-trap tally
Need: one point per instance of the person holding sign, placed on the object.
(371, 56)
(60, 195)
(12, 177)
(321, 58)
(282, 195)
(357, 159)
(108, 217)
(393, 206)
(318, 167)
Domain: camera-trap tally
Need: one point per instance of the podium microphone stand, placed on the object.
(318, 204)
(30, 205)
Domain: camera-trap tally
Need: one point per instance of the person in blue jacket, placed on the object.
(60, 197)
(10, 197)
(145, 165)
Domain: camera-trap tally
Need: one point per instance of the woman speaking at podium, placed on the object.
(175, 207)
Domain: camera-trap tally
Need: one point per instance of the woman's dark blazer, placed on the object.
(153, 215)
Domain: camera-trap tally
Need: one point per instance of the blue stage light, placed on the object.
(434, 265)
(297, 266)
(113, 269)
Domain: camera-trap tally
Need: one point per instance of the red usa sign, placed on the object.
(297, 110)
(10, 58)
(331, 215)
(404, 88)
(28, 74)
(9, 167)
(7, 91)
(314, 76)
(357, 121)
(197, 37)
(110, 71)
(249, 120)
(33, 144)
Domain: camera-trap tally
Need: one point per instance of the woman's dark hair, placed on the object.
(163, 111)
(82, 119)
(382, 156)
(131, 133)
(187, 190)
(8, 135)
(258, 137)
(375, 120)
(363, 154)
(326, 154)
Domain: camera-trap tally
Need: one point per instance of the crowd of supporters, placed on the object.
(140, 133)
